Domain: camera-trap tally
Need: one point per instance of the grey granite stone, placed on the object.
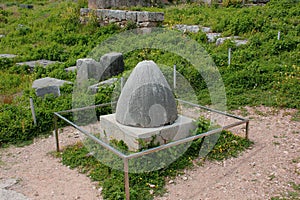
(11, 195)
(45, 82)
(131, 16)
(150, 16)
(48, 85)
(146, 99)
(71, 69)
(7, 56)
(41, 92)
(33, 64)
(112, 63)
(88, 68)
(212, 36)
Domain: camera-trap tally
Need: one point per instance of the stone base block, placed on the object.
(136, 138)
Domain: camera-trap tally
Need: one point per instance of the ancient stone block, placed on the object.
(112, 64)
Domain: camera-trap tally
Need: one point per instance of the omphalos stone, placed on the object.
(146, 99)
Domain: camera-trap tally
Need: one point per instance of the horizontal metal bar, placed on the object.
(118, 153)
(174, 143)
(87, 107)
(212, 110)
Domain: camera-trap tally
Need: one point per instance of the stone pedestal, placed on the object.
(136, 137)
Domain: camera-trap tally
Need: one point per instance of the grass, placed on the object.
(290, 195)
(142, 185)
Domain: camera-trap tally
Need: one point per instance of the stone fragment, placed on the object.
(212, 36)
(33, 64)
(71, 69)
(146, 99)
(112, 64)
(27, 6)
(7, 56)
(88, 68)
(41, 92)
(44, 82)
(187, 28)
(48, 85)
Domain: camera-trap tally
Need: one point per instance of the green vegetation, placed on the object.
(146, 185)
(290, 195)
(266, 71)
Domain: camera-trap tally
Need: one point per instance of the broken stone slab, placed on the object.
(94, 88)
(146, 99)
(206, 29)
(7, 56)
(27, 6)
(41, 92)
(48, 85)
(11, 195)
(212, 36)
(112, 63)
(235, 39)
(88, 68)
(33, 64)
(45, 82)
(6, 183)
(240, 42)
(187, 28)
(71, 69)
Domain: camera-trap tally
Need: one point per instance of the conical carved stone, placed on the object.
(146, 99)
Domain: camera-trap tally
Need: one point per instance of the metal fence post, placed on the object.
(32, 110)
(229, 56)
(126, 179)
(174, 77)
(56, 133)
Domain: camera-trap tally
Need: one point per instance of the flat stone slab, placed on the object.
(71, 69)
(132, 136)
(212, 36)
(45, 82)
(48, 85)
(11, 195)
(235, 39)
(32, 64)
(7, 56)
(7, 183)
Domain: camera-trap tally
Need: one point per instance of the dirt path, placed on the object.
(259, 173)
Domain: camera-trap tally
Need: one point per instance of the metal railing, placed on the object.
(127, 157)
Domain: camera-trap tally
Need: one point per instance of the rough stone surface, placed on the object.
(187, 28)
(41, 92)
(112, 64)
(71, 69)
(212, 36)
(7, 56)
(44, 82)
(48, 85)
(132, 136)
(122, 17)
(6, 194)
(33, 64)
(11, 195)
(235, 39)
(95, 4)
(88, 68)
(146, 99)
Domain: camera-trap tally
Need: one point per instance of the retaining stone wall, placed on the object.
(122, 17)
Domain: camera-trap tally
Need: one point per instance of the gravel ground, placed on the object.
(264, 171)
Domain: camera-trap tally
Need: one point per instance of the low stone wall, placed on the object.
(122, 17)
